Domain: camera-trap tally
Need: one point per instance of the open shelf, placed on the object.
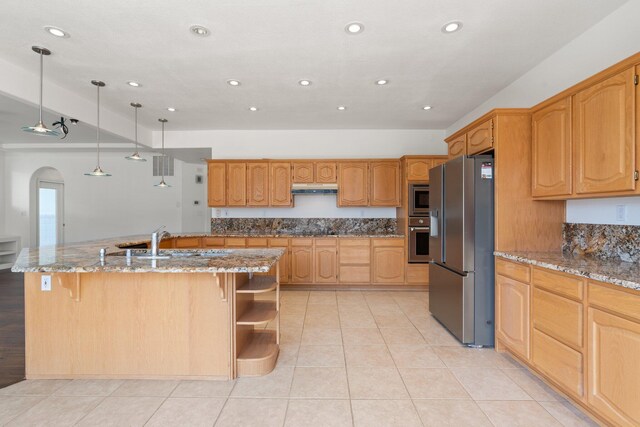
(258, 285)
(259, 353)
(258, 313)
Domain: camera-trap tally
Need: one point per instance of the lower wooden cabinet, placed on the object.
(301, 260)
(284, 269)
(559, 362)
(512, 314)
(354, 259)
(326, 261)
(388, 261)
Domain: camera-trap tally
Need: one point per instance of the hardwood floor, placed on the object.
(11, 327)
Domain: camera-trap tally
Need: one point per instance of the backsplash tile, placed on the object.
(620, 242)
(304, 226)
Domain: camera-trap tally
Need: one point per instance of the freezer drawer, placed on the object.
(451, 301)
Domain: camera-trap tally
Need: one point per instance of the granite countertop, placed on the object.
(84, 258)
(620, 273)
(347, 236)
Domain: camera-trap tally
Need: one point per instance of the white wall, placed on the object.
(195, 217)
(609, 41)
(2, 185)
(123, 204)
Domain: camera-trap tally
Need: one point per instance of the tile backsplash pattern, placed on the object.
(304, 226)
(605, 241)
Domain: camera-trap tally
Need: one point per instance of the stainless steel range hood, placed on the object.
(314, 189)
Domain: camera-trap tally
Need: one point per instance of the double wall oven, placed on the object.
(419, 223)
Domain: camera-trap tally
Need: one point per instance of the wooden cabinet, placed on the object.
(217, 184)
(303, 172)
(325, 172)
(235, 242)
(280, 179)
(212, 242)
(326, 260)
(354, 259)
(280, 242)
(301, 260)
(187, 242)
(353, 184)
(458, 146)
(388, 261)
(559, 362)
(551, 150)
(258, 184)
(417, 274)
(604, 139)
(236, 184)
(418, 169)
(385, 183)
(480, 138)
(512, 314)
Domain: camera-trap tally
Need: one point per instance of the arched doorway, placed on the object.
(47, 197)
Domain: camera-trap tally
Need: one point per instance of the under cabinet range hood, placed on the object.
(314, 189)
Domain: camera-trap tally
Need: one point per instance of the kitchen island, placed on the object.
(192, 314)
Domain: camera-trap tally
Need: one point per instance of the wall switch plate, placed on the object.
(45, 283)
(621, 213)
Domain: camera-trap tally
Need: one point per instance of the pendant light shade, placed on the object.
(98, 170)
(162, 184)
(136, 156)
(40, 128)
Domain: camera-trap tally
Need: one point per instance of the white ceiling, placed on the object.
(270, 45)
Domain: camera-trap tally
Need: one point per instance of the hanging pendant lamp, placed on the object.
(40, 128)
(136, 156)
(162, 184)
(98, 170)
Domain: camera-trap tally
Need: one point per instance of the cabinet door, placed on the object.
(237, 184)
(388, 265)
(302, 172)
(284, 260)
(301, 264)
(385, 183)
(187, 242)
(603, 132)
(353, 184)
(614, 367)
(217, 184)
(280, 184)
(418, 169)
(480, 138)
(458, 146)
(551, 150)
(326, 264)
(258, 184)
(512, 315)
(326, 172)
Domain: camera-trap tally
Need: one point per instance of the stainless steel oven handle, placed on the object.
(418, 228)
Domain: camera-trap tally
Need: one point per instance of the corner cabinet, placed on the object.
(353, 184)
(385, 183)
(280, 179)
(217, 184)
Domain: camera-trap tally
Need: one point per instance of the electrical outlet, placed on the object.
(45, 283)
(621, 213)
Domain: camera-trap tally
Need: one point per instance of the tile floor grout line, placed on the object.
(221, 409)
(90, 411)
(346, 369)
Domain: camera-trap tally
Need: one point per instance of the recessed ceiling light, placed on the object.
(451, 27)
(382, 82)
(427, 107)
(171, 109)
(304, 82)
(58, 32)
(342, 108)
(253, 108)
(233, 82)
(354, 28)
(134, 84)
(199, 30)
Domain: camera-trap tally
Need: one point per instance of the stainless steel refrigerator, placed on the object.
(461, 286)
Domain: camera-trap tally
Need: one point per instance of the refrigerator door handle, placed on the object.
(433, 223)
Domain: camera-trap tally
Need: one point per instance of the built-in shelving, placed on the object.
(259, 353)
(258, 313)
(258, 285)
(9, 247)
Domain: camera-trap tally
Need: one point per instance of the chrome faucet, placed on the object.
(156, 238)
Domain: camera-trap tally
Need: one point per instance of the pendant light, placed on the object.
(98, 170)
(40, 128)
(162, 184)
(135, 156)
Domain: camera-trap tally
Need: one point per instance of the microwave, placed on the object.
(419, 200)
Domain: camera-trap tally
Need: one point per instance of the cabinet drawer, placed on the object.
(301, 242)
(520, 272)
(570, 286)
(279, 242)
(559, 362)
(187, 242)
(355, 255)
(256, 242)
(389, 241)
(326, 242)
(558, 317)
(611, 299)
(355, 274)
(235, 242)
(216, 242)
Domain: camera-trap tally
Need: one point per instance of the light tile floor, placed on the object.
(347, 358)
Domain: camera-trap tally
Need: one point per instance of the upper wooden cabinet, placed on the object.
(217, 184)
(551, 150)
(280, 179)
(385, 183)
(480, 138)
(353, 184)
(258, 184)
(604, 136)
(236, 184)
(303, 172)
(458, 146)
(418, 169)
(325, 172)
